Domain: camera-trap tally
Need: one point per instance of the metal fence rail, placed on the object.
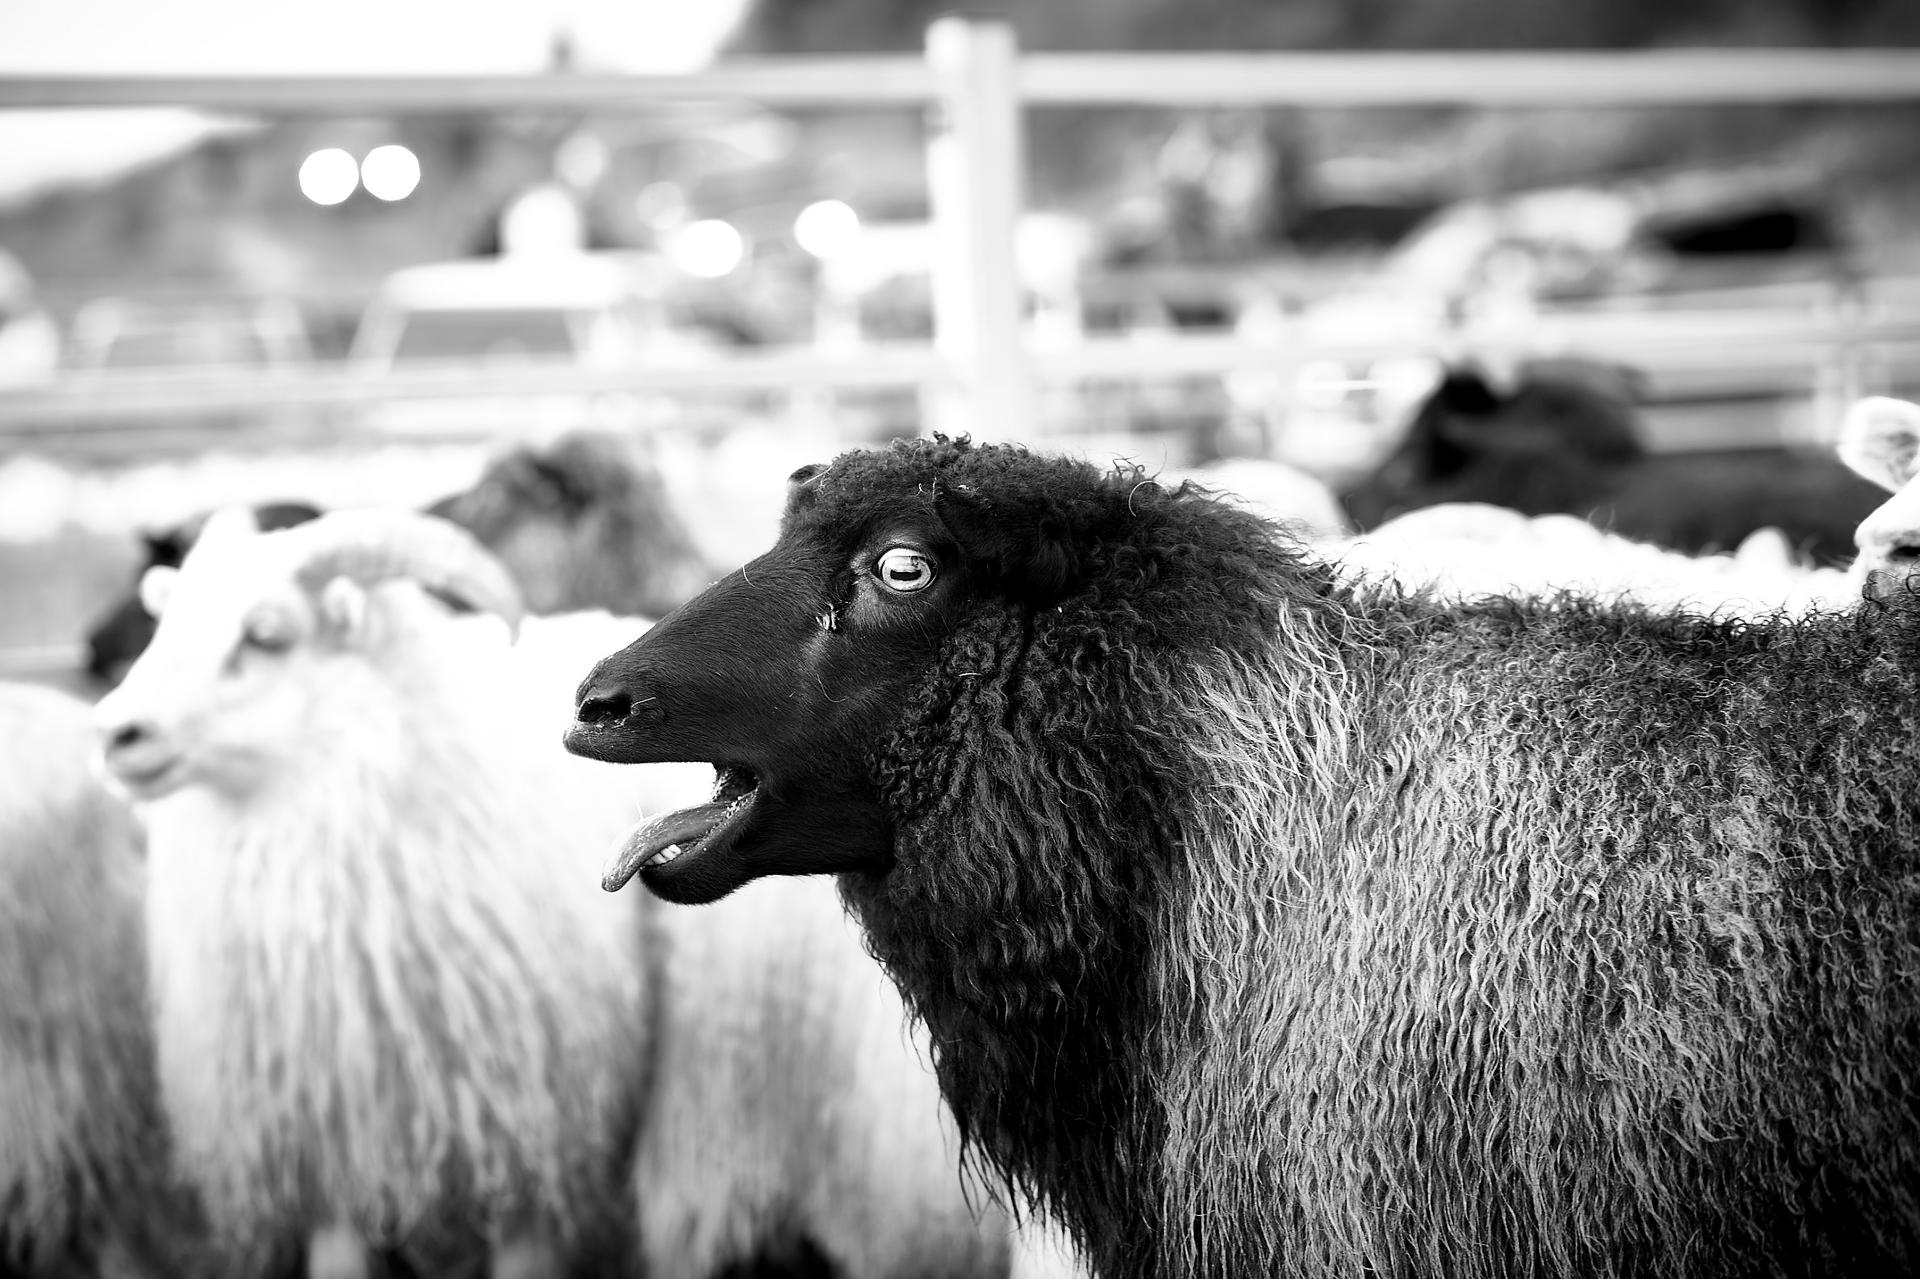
(980, 85)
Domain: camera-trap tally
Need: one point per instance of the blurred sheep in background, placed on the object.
(82, 1152)
(1880, 441)
(584, 522)
(1566, 437)
(393, 1028)
(1466, 550)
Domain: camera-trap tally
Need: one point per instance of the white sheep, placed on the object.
(343, 779)
(1470, 549)
(793, 1114)
(1880, 441)
(81, 1142)
(1281, 492)
(387, 1012)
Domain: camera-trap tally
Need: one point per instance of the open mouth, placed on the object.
(661, 841)
(144, 779)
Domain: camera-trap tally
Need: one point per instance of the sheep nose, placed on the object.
(126, 736)
(603, 705)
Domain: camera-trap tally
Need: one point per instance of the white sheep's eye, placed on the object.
(903, 569)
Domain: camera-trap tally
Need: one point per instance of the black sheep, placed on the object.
(1567, 438)
(1269, 924)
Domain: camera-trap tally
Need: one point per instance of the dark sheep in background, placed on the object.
(1567, 438)
(581, 523)
(1266, 923)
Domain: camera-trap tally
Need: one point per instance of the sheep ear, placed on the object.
(1880, 440)
(800, 490)
(343, 608)
(156, 584)
(1029, 555)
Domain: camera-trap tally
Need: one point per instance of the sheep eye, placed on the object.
(902, 569)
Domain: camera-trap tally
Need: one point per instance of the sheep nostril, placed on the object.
(126, 737)
(603, 706)
(1903, 554)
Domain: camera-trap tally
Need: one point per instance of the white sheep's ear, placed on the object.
(156, 585)
(1880, 440)
(343, 608)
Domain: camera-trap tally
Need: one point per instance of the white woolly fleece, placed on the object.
(76, 1108)
(792, 1094)
(1468, 549)
(391, 974)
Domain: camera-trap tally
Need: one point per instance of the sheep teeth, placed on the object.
(665, 855)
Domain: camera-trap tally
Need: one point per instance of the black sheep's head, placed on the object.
(789, 673)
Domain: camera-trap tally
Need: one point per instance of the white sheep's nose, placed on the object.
(134, 750)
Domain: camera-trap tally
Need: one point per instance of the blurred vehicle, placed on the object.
(112, 335)
(573, 310)
(29, 338)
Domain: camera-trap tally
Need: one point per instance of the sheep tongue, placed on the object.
(685, 826)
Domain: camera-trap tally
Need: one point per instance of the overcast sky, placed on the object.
(300, 36)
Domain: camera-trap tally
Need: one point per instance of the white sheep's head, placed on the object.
(263, 637)
(1880, 441)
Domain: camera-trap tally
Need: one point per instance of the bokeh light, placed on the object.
(543, 219)
(709, 248)
(390, 172)
(827, 228)
(329, 176)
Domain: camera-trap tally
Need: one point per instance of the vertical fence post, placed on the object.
(976, 177)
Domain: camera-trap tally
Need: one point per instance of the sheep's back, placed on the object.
(1606, 961)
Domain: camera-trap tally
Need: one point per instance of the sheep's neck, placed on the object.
(1036, 915)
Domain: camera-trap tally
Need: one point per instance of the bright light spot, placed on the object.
(390, 172)
(544, 219)
(328, 176)
(827, 228)
(708, 248)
